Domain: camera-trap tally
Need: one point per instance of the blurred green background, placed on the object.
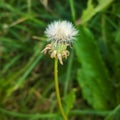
(89, 79)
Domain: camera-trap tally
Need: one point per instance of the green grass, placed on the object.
(91, 71)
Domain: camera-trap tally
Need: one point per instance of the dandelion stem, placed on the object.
(57, 89)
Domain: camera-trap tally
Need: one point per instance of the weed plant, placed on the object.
(89, 80)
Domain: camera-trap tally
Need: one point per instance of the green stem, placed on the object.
(29, 6)
(71, 2)
(57, 89)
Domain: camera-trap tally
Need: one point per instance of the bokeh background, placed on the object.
(89, 79)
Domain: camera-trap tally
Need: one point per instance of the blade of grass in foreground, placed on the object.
(44, 115)
(28, 116)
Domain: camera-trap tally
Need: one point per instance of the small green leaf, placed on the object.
(69, 101)
(91, 10)
(88, 13)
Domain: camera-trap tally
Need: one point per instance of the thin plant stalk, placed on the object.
(57, 89)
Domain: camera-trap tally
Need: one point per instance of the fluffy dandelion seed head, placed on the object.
(60, 34)
(61, 31)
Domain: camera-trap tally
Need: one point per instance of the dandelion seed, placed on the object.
(61, 34)
(61, 31)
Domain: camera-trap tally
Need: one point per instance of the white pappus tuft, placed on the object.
(61, 31)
